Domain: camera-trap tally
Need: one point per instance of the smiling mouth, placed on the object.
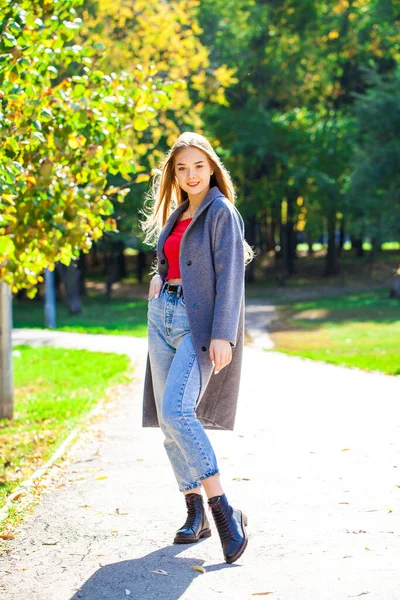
(192, 184)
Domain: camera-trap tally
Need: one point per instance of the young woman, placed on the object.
(196, 328)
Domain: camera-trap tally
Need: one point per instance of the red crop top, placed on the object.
(171, 248)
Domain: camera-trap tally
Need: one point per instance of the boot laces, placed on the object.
(191, 512)
(222, 521)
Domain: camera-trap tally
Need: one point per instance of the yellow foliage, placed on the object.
(163, 38)
(341, 7)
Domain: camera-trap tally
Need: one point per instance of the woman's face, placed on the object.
(193, 171)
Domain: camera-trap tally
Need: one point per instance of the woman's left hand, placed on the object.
(220, 354)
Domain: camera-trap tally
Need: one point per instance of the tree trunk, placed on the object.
(375, 249)
(283, 273)
(310, 250)
(95, 259)
(82, 266)
(6, 367)
(49, 300)
(331, 263)
(70, 277)
(341, 238)
(251, 239)
(357, 244)
(140, 265)
(290, 234)
(395, 289)
(272, 235)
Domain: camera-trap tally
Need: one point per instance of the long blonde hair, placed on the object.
(166, 194)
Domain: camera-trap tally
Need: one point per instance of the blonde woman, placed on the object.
(196, 329)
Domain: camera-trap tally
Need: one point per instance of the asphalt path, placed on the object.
(314, 461)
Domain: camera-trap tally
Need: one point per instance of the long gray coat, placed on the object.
(211, 262)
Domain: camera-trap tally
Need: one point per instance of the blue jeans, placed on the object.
(176, 384)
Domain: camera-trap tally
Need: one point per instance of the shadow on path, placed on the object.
(111, 581)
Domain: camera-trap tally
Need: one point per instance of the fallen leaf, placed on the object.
(347, 556)
(344, 502)
(262, 593)
(50, 542)
(241, 479)
(18, 496)
(7, 536)
(366, 548)
(101, 477)
(113, 531)
(359, 531)
(85, 506)
(118, 511)
(200, 569)
(345, 450)
(389, 510)
(160, 572)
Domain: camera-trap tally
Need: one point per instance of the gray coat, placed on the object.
(211, 263)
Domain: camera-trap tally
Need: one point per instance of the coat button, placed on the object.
(163, 261)
(189, 262)
(203, 348)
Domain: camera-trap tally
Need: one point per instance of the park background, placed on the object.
(301, 100)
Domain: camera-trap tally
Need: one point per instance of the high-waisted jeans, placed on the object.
(176, 384)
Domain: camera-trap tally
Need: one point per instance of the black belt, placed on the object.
(174, 288)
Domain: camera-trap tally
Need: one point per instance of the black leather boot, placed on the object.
(231, 524)
(196, 525)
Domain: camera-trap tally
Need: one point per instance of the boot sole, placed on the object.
(205, 533)
(239, 553)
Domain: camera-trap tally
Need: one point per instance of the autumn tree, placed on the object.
(374, 191)
(293, 59)
(61, 135)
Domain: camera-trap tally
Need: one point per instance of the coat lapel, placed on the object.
(212, 193)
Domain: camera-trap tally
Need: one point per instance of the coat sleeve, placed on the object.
(229, 274)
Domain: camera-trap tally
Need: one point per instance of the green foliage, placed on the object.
(165, 34)
(374, 193)
(289, 128)
(65, 125)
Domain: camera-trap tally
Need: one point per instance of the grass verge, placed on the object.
(54, 389)
(355, 330)
(118, 316)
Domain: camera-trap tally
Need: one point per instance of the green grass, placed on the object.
(357, 330)
(118, 316)
(54, 389)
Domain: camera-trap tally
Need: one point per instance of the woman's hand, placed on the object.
(155, 286)
(220, 354)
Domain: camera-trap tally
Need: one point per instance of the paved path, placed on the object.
(314, 461)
